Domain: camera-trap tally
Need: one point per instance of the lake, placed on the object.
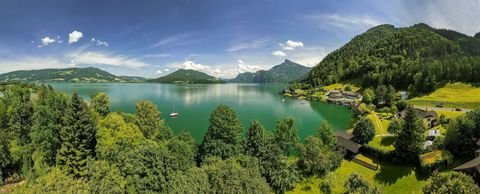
(195, 102)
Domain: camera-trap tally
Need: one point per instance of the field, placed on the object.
(383, 142)
(455, 95)
(449, 114)
(354, 84)
(391, 178)
(432, 157)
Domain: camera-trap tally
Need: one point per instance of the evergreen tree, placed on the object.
(20, 114)
(451, 182)
(101, 104)
(148, 120)
(286, 135)
(223, 136)
(78, 138)
(326, 134)
(256, 140)
(410, 139)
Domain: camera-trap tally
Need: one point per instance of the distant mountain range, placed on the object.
(187, 76)
(286, 72)
(89, 74)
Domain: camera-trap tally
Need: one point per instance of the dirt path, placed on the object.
(377, 122)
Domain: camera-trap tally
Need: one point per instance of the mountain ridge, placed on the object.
(186, 76)
(286, 72)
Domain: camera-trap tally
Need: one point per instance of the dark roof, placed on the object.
(334, 91)
(349, 93)
(344, 140)
(421, 113)
(344, 135)
(475, 163)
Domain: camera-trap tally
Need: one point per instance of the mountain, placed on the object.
(88, 74)
(286, 72)
(187, 76)
(418, 57)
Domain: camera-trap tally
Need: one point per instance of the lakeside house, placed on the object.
(343, 97)
(430, 118)
(344, 139)
(472, 167)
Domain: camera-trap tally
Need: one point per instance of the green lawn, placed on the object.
(453, 95)
(450, 114)
(381, 125)
(355, 86)
(392, 178)
(383, 142)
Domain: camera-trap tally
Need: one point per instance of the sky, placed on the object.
(223, 38)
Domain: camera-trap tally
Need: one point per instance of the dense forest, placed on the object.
(418, 58)
(60, 143)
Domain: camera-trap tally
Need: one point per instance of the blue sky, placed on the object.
(220, 37)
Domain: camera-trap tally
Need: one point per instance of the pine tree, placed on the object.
(256, 140)
(78, 138)
(100, 103)
(409, 140)
(223, 136)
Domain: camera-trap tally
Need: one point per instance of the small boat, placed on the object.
(174, 114)
(283, 99)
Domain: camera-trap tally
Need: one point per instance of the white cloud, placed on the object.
(72, 63)
(74, 37)
(247, 45)
(166, 70)
(99, 58)
(30, 63)
(279, 54)
(171, 39)
(46, 41)
(343, 21)
(242, 67)
(291, 45)
(99, 42)
(160, 55)
(159, 72)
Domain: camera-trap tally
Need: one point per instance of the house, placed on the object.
(403, 95)
(344, 139)
(432, 134)
(343, 97)
(430, 118)
(472, 167)
(427, 144)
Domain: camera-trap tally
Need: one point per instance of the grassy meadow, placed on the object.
(453, 95)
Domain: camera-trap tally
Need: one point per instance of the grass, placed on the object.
(353, 84)
(454, 95)
(383, 142)
(381, 125)
(449, 114)
(434, 156)
(392, 178)
(366, 159)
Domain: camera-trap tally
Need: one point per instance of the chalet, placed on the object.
(430, 118)
(472, 167)
(344, 139)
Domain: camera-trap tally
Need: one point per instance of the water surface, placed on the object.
(196, 102)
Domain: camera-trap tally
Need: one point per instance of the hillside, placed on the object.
(419, 57)
(186, 76)
(89, 74)
(286, 72)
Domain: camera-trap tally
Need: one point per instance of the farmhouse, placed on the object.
(344, 139)
(429, 118)
(472, 167)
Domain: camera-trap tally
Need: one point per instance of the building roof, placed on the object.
(421, 113)
(475, 163)
(344, 140)
(350, 93)
(434, 132)
(478, 142)
(334, 91)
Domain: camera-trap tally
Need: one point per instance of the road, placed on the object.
(440, 108)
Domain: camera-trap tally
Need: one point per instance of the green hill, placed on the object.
(419, 57)
(187, 76)
(89, 74)
(286, 72)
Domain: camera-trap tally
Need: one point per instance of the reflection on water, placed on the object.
(195, 103)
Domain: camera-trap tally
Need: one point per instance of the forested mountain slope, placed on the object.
(187, 76)
(419, 57)
(286, 72)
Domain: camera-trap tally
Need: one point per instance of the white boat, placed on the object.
(283, 99)
(174, 114)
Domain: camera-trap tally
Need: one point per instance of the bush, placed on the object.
(401, 105)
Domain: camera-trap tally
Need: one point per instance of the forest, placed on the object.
(59, 143)
(418, 58)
